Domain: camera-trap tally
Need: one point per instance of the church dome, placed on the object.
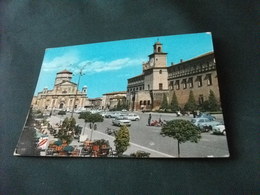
(64, 72)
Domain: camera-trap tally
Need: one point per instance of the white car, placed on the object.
(208, 125)
(132, 117)
(112, 114)
(121, 121)
(219, 129)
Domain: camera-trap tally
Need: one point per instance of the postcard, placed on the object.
(155, 97)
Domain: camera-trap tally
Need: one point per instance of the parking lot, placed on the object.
(148, 138)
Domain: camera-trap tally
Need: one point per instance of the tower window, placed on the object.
(159, 49)
(160, 86)
(160, 71)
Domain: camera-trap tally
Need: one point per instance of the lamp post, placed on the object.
(75, 99)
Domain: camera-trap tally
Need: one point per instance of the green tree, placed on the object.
(67, 129)
(92, 119)
(213, 104)
(182, 131)
(83, 115)
(174, 103)
(191, 103)
(122, 139)
(164, 104)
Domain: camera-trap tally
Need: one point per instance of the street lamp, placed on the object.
(75, 99)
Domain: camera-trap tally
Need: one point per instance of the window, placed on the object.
(148, 86)
(171, 85)
(190, 82)
(177, 83)
(148, 102)
(159, 49)
(184, 82)
(144, 102)
(199, 79)
(160, 86)
(160, 71)
(209, 79)
(141, 102)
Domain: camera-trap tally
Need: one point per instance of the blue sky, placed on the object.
(108, 65)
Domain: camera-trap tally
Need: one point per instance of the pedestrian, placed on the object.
(149, 119)
(194, 114)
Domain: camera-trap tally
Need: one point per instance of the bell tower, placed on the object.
(64, 75)
(158, 58)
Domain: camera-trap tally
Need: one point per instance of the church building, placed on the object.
(64, 95)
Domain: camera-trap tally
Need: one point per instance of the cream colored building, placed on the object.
(64, 95)
(110, 100)
(146, 91)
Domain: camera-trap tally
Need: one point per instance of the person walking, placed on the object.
(149, 119)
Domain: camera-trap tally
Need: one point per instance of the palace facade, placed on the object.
(64, 95)
(199, 75)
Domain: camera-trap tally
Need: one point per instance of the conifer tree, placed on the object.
(191, 103)
(174, 103)
(213, 104)
(164, 104)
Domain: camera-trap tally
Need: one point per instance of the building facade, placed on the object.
(64, 95)
(111, 100)
(199, 75)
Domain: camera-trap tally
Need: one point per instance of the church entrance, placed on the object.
(61, 105)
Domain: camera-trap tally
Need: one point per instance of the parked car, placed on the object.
(207, 126)
(132, 117)
(120, 121)
(207, 115)
(113, 114)
(198, 121)
(219, 129)
(62, 112)
(103, 114)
